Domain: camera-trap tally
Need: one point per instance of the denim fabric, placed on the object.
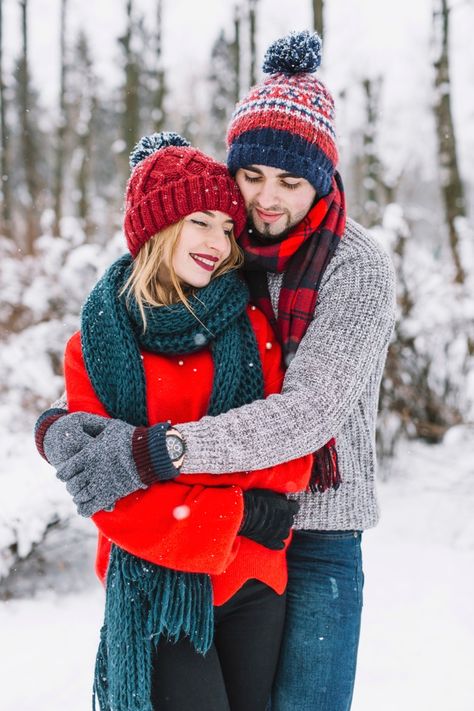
(318, 656)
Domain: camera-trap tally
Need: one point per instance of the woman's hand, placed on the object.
(268, 517)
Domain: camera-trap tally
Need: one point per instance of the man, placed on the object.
(328, 287)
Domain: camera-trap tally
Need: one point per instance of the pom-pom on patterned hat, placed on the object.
(287, 121)
(170, 180)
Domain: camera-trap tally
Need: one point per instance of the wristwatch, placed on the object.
(175, 446)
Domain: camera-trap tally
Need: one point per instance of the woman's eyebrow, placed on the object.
(211, 214)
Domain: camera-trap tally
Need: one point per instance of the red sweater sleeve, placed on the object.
(191, 528)
(80, 394)
(186, 526)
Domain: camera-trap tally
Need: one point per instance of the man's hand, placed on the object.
(103, 471)
(70, 434)
(102, 460)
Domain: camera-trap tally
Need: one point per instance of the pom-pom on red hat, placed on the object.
(170, 180)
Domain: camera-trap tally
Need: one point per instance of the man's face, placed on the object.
(276, 200)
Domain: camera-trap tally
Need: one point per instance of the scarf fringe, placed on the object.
(145, 602)
(325, 473)
(100, 690)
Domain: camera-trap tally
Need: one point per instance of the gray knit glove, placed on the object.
(102, 460)
(103, 471)
(69, 434)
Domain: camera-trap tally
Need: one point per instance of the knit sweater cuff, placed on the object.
(43, 423)
(150, 454)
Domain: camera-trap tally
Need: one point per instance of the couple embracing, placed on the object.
(219, 424)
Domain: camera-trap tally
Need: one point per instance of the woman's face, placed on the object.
(204, 243)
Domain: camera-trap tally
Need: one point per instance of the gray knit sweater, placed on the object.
(331, 389)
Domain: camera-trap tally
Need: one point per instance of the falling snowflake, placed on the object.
(199, 339)
(181, 512)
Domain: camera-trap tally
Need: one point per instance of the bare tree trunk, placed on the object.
(318, 17)
(253, 44)
(5, 218)
(27, 138)
(158, 109)
(236, 52)
(61, 127)
(83, 180)
(85, 121)
(451, 184)
(131, 113)
(372, 177)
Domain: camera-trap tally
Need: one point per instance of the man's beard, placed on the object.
(266, 236)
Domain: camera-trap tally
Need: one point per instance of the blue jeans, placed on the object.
(317, 665)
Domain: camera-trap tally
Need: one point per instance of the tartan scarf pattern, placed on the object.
(303, 256)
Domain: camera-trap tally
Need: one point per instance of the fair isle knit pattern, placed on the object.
(287, 121)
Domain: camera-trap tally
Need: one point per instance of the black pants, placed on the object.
(237, 672)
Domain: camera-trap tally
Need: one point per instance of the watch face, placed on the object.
(175, 447)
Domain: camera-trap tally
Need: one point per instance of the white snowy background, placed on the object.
(417, 640)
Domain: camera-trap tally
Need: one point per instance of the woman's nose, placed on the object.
(217, 240)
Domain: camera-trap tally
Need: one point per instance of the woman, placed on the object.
(194, 566)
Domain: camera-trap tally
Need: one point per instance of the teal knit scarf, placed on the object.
(145, 601)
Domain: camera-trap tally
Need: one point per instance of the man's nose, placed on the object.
(267, 195)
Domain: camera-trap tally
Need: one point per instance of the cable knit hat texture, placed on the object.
(287, 121)
(170, 180)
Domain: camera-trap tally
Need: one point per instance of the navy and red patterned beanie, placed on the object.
(287, 121)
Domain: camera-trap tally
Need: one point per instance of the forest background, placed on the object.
(80, 84)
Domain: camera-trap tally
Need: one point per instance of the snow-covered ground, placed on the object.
(416, 649)
(417, 644)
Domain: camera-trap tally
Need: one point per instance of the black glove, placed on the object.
(268, 517)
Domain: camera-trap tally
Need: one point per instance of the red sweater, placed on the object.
(202, 536)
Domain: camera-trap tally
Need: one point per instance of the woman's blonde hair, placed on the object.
(144, 283)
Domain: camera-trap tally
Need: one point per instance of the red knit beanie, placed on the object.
(170, 180)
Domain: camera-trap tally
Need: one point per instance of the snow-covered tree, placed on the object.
(222, 83)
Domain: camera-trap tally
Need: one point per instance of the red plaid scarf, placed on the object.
(303, 257)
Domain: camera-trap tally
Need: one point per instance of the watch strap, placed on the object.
(150, 453)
